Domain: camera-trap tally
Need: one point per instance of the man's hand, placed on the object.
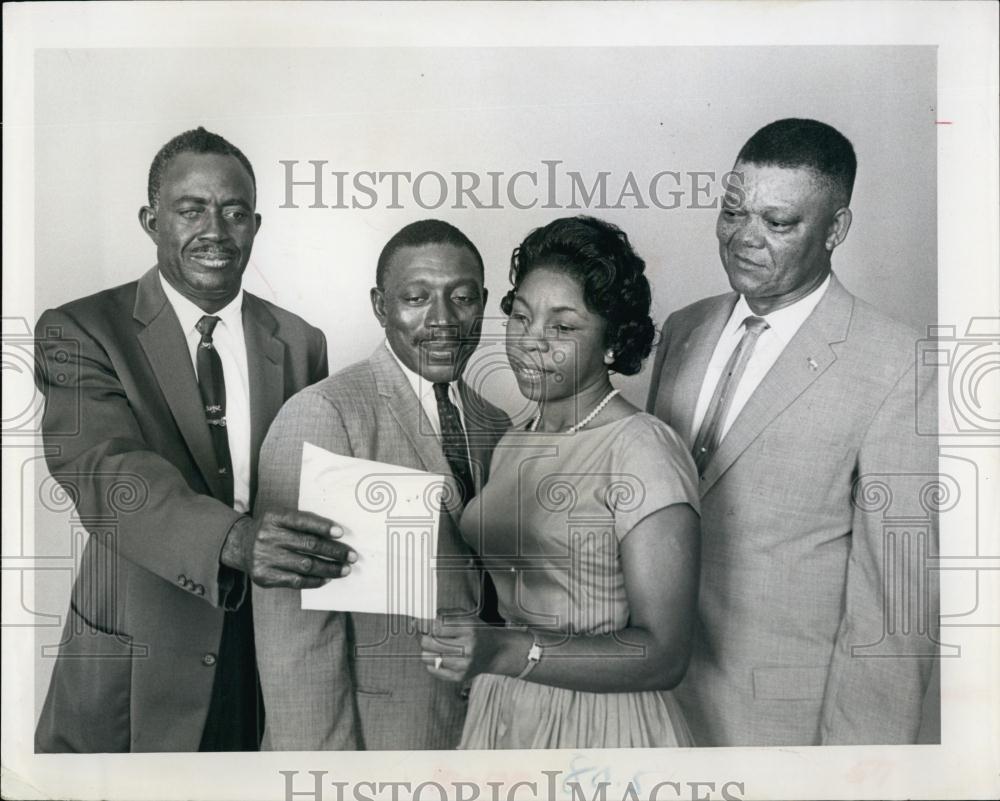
(288, 549)
(458, 651)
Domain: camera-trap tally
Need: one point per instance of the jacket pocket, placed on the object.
(789, 683)
(88, 706)
(371, 692)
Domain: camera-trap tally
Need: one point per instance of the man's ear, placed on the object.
(378, 304)
(486, 295)
(258, 218)
(838, 230)
(147, 219)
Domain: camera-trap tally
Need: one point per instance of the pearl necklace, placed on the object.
(597, 410)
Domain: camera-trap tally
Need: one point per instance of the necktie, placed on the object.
(453, 441)
(212, 384)
(235, 713)
(710, 433)
(456, 452)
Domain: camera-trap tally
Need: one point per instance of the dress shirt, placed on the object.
(230, 344)
(424, 391)
(783, 322)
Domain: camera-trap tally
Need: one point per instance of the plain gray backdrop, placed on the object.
(101, 115)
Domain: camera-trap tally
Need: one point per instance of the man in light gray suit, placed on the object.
(798, 399)
(355, 681)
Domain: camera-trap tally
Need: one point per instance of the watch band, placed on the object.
(534, 657)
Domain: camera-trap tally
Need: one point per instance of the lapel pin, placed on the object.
(812, 364)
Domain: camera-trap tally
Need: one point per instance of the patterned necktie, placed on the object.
(456, 452)
(212, 384)
(454, 443)
(235, 712)
(710, 433)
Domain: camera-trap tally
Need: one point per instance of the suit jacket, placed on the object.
(125, 435)
(355, 681)
(808, 633)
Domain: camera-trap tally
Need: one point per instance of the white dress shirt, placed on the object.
(230, 344)
(783, 324)
(424, 390)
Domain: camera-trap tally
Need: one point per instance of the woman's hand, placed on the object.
(459, 649)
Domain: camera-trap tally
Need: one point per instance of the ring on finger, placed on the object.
(437, 662)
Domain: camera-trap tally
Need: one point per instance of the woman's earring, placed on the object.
(609, 356)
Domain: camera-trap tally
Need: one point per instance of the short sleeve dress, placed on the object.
(548, 524)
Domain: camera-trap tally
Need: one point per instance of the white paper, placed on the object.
(390, 516)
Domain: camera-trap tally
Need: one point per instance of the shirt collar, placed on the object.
(189, 314)
(784, 322)
(422, 388)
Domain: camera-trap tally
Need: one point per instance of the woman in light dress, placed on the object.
(588, 524)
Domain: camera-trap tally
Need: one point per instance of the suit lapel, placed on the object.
(696, 353)
(167, 350)
(806, 357)
(266, 373)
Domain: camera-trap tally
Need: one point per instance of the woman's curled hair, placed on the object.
(600, 257)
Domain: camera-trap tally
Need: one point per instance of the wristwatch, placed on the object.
(534, 657)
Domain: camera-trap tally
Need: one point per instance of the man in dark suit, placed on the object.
(336, 681)
(169, 384)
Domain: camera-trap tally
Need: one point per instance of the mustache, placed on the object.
(443, 335)
(213, 250)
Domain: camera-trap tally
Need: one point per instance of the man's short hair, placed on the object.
(809, 144)
(196, 141)
(423, 232)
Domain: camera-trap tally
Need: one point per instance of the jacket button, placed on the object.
(208, 660)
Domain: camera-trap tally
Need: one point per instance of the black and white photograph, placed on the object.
(557, 400)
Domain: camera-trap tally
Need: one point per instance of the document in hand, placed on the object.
(390, 517)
